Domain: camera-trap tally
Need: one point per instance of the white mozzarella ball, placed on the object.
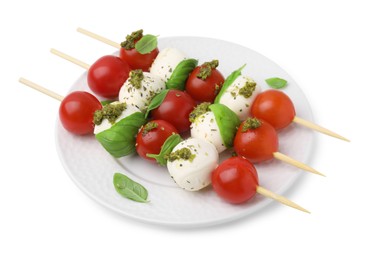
(194, 174)
(237, 102)
(205, 127)
(105, 124)
(166, 61)
(141, 97)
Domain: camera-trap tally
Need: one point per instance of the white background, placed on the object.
(43, 215)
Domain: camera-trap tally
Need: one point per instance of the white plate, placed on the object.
(92, 168)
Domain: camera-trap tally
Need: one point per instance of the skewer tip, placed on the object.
(291, 161)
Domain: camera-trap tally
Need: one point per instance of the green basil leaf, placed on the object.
(120, 139)
(156, 101)
(146, 44)
(106, 102)
(229, 80)
(129, 189)
(181, 74)
(227, 121)
(276, 83)
(166, 149)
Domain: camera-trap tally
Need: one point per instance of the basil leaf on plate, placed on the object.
(129, 189)
(181, 74)
(229, 80)
(146, 44)
(276, 83)
(156, 101)
(227, 121)
(166, 149)
(120, 139)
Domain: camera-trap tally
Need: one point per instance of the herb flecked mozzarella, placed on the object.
(141, 96)
(191, 163)
(106, 124)
(205, 127)
(166, 61)
(240, 95)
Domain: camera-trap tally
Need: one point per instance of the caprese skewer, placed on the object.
(276, 108)
(127, 49)
(105, 76)
(236, 181)
(258, 141)
(115, 125)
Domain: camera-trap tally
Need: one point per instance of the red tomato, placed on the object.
(235, 180)
(152, 136)
(175, 109)
(275, 107)
(137, 60)
(107, 75)
(77, 112)
(204, 90)
(257, 144)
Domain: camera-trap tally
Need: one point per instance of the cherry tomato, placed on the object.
(235, 180)
(107, 75)
(137, 60)
(77, 112)
(275, 107)
(175, 109)
(204, 90)
(152, 136)
(258, 143)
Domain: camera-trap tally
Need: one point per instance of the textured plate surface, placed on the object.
(92, 168)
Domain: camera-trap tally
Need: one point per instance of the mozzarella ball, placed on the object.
(239, 102)
(195, 173)
(166, 61)
(105, 124)
(205, 127)
(141, 97)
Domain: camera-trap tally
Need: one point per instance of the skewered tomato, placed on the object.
(204, 82)
(256, 140)
(135, 59)
(175, 109)
(152, 136)
(235, 180)
(275, 107)
(107, 75)
(77, 112)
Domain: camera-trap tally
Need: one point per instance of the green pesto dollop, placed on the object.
(247, 89)
(148, 127)
(130, 40)
(182, 154)
(251, 123)
(109, 111)
(202, 108)
(206, 69)
(135, 78)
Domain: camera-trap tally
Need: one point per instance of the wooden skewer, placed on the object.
(289, 160)
(279, 198)
(41, 89)
(318, 128)
(98, 37)
(71, 59)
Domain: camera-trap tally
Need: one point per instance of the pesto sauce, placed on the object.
(182, 154)
(247, 89)
(135, 78)
(109, 111)
(206, 69)
(201, 109)
(149, 127)
(251, 123)
(130, 40)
